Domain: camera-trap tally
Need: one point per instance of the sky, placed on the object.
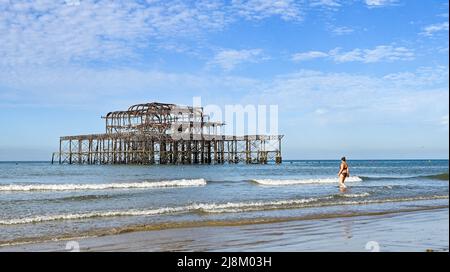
(368, 79)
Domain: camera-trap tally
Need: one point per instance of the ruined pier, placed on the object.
(158, 133)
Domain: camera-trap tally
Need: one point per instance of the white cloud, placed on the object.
(353, 101)
(378, 54)
(342, 30)
(380, 3)
(109, 88)
(309, 55)
(316, 97)
(432, 29)
(424, 91)
(423, 76)
(228, 59)
(288, 10)
(51, 32)
(325, 3)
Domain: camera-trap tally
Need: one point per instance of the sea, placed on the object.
(44, 202)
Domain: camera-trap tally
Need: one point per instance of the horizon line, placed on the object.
(285, 160)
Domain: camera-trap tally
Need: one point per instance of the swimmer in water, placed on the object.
(344, 172)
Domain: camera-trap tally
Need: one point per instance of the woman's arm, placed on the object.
(340, 170)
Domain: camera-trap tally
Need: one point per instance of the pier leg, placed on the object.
(60, 150)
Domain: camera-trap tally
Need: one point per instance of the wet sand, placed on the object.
(404, 231)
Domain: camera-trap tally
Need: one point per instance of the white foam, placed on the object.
(104, 186)
(276, 182)
(46, 218)
(380, 201)
(203, 207)
(355, 195)
(251, 206)
(230, 207)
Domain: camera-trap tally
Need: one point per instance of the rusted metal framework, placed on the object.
(158, 133)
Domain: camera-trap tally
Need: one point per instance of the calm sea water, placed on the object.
(40, 201)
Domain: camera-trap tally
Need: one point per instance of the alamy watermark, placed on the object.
(73, 246)
(373, 246)
(212, 119)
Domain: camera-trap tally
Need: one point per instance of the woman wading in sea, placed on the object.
(344, 172)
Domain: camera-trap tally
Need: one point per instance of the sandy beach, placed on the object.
(404, 231)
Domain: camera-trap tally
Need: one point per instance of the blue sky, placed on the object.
(361, 78)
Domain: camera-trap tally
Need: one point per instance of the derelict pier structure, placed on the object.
(158, 133)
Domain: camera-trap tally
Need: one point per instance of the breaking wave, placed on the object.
(352, 195)
(275, 182)
(104, 186)
(231, 207)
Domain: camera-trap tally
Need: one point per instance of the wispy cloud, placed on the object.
(341, 30)
(378, 54)
(360, 109)
(228, 59)
(288, 10)
(110, 88)
(49, 32)
(424, 91)
(309, 55)
(423, 76)
(325, 3)
(59, 32)
(380, 3)
(432, 29)
(354, 98)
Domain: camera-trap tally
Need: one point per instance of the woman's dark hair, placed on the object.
(343, 158)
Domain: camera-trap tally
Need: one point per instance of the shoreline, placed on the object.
(169, 237)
